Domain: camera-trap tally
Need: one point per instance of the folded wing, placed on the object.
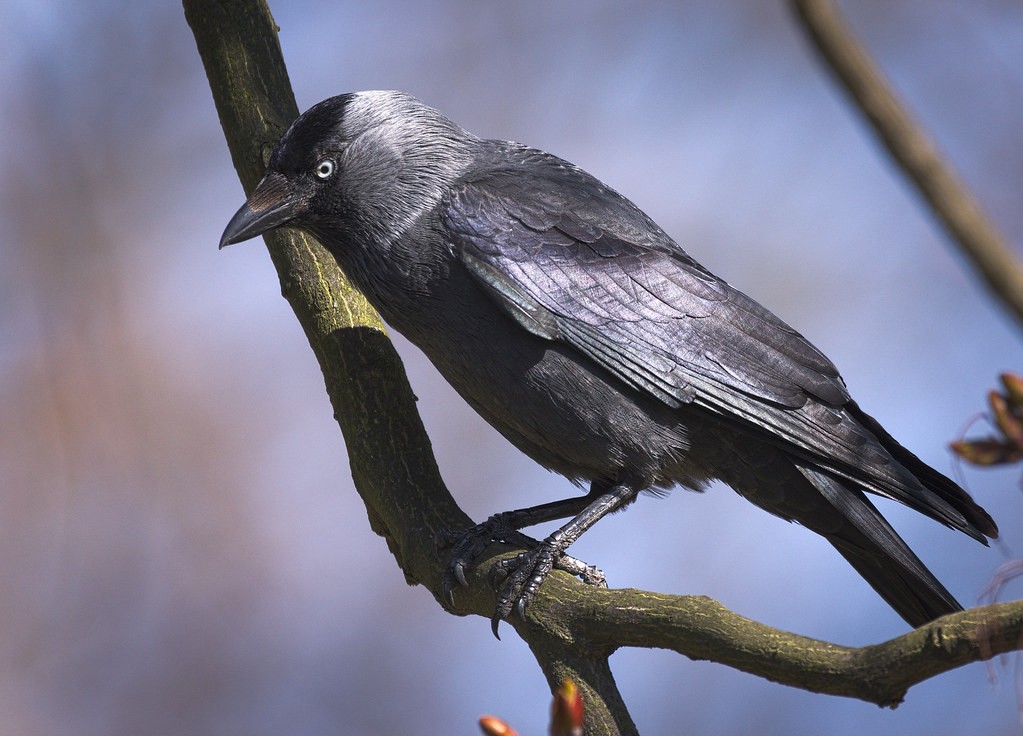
(574, 262)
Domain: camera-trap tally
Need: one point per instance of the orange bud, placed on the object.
(567, 711)
(493, 726)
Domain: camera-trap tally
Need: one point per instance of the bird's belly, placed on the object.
(566, 413)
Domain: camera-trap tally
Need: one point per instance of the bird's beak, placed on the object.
(272, 204)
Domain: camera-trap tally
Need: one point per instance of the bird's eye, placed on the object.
(324, 169)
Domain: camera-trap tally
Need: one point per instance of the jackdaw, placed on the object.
(593, 342)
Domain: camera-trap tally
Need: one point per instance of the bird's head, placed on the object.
(363, 164)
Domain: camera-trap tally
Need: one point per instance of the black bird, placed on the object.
(588, 338)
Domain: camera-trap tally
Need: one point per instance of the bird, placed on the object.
(587, 337)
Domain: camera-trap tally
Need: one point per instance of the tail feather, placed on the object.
(979, 523)
(880, 556)
(919, 600)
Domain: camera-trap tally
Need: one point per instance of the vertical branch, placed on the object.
(948, 198)
(604, 709)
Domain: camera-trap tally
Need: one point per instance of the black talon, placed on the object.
(470, 544)
(527, 571)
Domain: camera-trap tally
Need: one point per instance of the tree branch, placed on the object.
(572, 629)
(701, 628)
(391, 457)
(948, 198)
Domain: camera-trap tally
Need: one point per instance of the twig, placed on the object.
(948, 198)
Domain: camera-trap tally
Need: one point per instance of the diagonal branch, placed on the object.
(572, 629)
(949, 199)
(391, 458)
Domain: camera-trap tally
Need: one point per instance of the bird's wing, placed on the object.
(573, 261)
(581, 265)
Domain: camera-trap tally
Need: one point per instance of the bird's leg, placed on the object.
(469, 544)
(532, 566)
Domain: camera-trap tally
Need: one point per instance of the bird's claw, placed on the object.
(588, 574)
(527, 571)
(469, 544)
(520, 576)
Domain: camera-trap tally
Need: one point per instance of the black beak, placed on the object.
(272, 204)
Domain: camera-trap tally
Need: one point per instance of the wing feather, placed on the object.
(574, 262)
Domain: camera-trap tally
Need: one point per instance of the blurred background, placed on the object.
(181, 548)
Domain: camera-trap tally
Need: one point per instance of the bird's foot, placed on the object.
(527, 571)
(469, 544)
(522, 574)
(588, 574)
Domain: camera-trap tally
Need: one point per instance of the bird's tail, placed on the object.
(879, 554)
(940, 491)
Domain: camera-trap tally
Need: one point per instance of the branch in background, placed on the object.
(947, 196)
